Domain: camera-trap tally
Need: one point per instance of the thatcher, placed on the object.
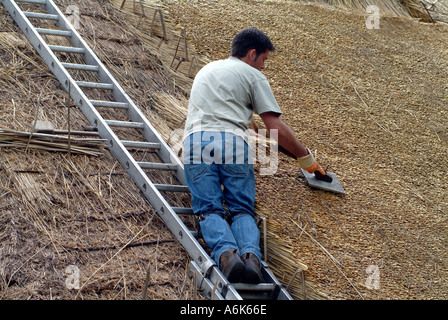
(371, 103)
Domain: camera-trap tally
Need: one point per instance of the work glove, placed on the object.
(309, 164)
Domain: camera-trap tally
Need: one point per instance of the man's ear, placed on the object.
(252, 54)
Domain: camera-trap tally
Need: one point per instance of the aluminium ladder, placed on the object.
(209, 279)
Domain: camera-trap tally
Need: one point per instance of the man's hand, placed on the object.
(315, 167)
(309, 164)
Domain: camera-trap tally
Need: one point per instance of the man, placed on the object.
(217, 157)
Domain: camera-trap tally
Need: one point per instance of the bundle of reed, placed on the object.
(48, 142)
(417, 9)
(283, 259)
(34, 197)
(153, 25)
(438, 10)
(172, 109)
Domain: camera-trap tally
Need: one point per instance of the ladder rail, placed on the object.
(211, 280)
(216, 290)
(133, 112)
(115, 146)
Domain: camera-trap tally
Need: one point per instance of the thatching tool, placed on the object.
(328, 182)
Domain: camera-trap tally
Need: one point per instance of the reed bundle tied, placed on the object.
(49, 142)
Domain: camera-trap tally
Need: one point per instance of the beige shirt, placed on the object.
(224, 96)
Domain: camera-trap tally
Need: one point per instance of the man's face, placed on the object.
(254, 61)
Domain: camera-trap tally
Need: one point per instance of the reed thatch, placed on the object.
(426, 11)
(369, 97)
(372, 104)
(65, 202)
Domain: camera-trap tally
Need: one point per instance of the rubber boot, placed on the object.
(231, 266)
(253, 273)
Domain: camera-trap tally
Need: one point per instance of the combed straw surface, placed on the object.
(372, 103)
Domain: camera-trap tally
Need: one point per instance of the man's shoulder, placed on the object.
(243, 70)
(234, 63)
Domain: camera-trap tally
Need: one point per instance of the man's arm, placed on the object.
(288, 141)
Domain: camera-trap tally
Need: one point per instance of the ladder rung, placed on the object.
(95, 85)
(41, 15)
(159, 166)
(125, 124)
(141, 144)
(54, 32)
(256, 296)
(180, 210)
(109, 104)
(33, 1)
(77, 66)
(172, 188)
(203, 263)
(261, 287)
(67, 49)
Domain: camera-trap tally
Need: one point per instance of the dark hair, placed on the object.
(250, 38)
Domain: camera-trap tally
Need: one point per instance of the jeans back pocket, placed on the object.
(196, 170)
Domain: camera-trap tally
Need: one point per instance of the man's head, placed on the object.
(252, 46)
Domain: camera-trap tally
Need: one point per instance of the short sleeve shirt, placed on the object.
(224, 96)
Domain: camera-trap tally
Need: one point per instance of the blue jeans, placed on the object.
(219, 170)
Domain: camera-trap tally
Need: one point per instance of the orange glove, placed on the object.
(309, 164)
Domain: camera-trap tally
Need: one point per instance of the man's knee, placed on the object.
(239, 215)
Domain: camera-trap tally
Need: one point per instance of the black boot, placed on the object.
(253, 273)
(231, 266)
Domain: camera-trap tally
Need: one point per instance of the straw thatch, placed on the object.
(372, 104)
(360, 99)
(66, 204)
(425, 10)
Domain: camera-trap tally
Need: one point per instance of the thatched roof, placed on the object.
(427, 11)
(372, 103)
(59, 210)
